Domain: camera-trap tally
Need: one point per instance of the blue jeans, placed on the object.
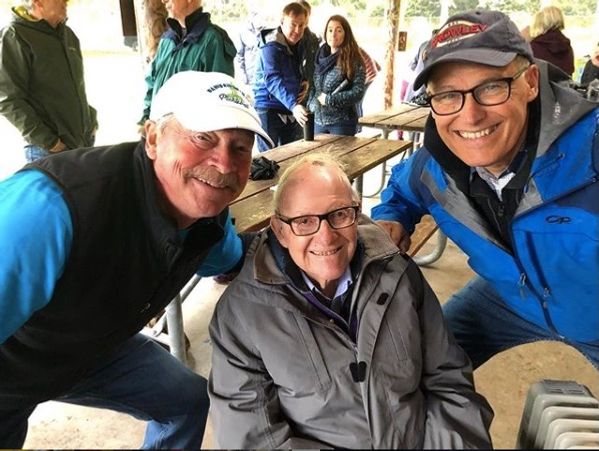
(33, 153)
(484, 325)
(346, 128)
(141, 379)
(280, 132)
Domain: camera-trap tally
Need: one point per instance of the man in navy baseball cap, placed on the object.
(509, 171)
(480, 36)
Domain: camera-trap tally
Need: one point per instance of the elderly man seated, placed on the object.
(330, 337)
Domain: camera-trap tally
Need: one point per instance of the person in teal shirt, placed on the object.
(95, 242)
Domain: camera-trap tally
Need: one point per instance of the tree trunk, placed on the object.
(393, 26)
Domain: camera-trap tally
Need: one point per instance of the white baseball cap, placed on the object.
(205, 102)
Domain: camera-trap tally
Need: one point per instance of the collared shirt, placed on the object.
(339, 308)
(497, 198)
(495, 183)
(498, 183)
(343, 285)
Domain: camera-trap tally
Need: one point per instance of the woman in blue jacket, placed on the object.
(338, 80)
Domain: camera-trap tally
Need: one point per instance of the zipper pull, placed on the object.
(522, 284)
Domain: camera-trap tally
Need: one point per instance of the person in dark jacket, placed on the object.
(95, 242)
(591, 69)
(279, 86)
(509, 172)
(355, 353)
(339, 80)
(191, 42)
(547, 40)
(42, 87)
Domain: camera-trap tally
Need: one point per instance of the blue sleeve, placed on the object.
(398, 201)
(36, 233)
(224, 255)
(277, 82)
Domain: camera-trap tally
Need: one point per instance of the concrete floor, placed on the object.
(504, 380)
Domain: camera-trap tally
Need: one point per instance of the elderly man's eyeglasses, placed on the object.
(489, 93)
(310, 224)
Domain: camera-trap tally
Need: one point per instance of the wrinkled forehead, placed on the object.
(309, 186)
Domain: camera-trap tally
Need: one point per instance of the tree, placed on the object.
(423, 8)
(462, 5)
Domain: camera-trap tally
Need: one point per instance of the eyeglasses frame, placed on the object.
(324, 216)
(463, 93)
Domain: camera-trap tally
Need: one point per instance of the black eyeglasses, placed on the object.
(489, 93)
(310, 224)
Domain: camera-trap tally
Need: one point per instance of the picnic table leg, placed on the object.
(427, 259)
(384, 170)
(176, 334)
(382, 184)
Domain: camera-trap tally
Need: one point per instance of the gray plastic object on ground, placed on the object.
(546, 393)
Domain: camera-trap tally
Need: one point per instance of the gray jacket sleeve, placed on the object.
(457, 417)
(244, 404)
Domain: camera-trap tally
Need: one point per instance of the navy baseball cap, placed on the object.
(479, 36)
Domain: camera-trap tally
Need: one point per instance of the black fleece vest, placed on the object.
(127, 261)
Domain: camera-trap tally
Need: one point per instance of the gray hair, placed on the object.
(315, 159)
(163, 121)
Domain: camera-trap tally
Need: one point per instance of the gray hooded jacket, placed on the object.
(281, 372)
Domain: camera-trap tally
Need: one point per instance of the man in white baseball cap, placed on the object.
(97, 241)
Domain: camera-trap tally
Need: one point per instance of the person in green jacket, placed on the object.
(191, 42)
(42, 89)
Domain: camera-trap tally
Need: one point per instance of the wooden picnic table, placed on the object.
(252, 210)
(405, 117)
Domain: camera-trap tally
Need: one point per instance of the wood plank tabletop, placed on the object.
(413, 120)
(287, 154)
(252, 210)
(406, 117)
(375, 118)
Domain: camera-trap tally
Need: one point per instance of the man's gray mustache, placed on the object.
(216, 178)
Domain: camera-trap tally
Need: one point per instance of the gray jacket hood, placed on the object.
(561, 106)
(274, 36)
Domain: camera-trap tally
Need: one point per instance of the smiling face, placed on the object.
(335, 35)
(198, 174)
(325, 255)
(484, 136)
(293, 27)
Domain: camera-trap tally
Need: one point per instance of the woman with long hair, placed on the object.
(339, 80)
